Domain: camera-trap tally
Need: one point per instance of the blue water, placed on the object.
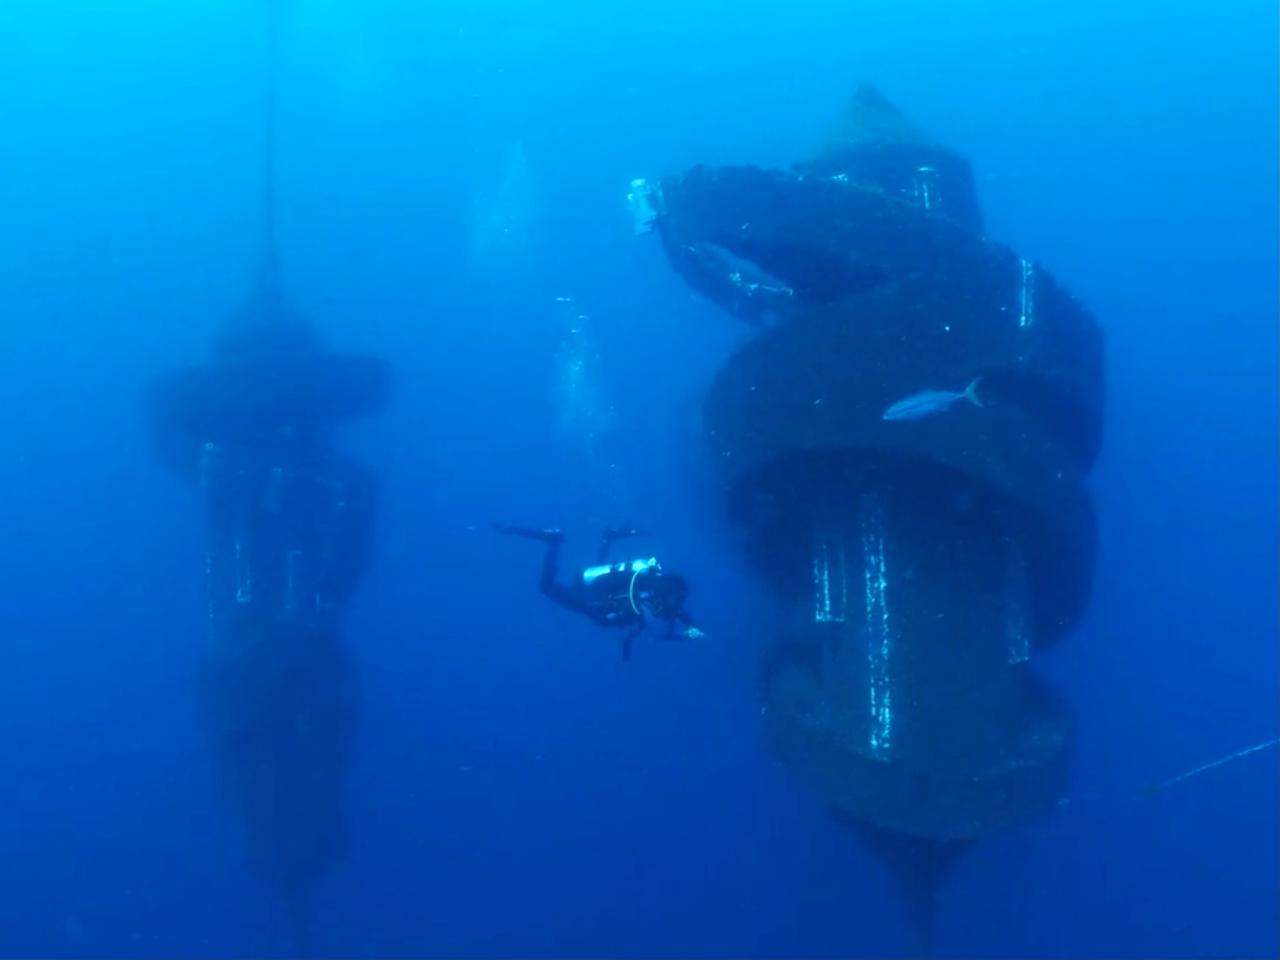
(447, 170)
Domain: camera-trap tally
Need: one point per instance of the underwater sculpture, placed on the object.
(288, 524)
(904, 444)
(288, 534)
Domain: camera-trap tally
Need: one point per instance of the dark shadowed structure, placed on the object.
(288, 531)
(288, 536)
(923, 562)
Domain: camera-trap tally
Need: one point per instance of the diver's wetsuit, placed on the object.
(610, 598)
(606, 600)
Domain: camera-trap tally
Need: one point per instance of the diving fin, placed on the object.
(529, 533)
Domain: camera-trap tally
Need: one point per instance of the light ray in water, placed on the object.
(1205, 768)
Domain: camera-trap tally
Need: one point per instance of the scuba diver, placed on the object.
(614, 594)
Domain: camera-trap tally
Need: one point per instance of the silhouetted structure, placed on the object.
(923, 562)
(289, 529)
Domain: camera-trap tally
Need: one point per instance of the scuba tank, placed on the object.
(626, 571)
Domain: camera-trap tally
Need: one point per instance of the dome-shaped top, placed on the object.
(875, 145)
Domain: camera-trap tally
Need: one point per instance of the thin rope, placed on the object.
(270, 279)
(1205, 768)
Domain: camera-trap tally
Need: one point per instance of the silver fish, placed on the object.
(926, 403)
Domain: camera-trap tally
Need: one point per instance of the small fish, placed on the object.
(926, 403)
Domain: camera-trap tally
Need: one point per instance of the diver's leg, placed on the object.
(550, 567)
(552, 588)
(529, 533)
(547, 583)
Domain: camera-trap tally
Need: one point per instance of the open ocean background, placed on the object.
(448, 169)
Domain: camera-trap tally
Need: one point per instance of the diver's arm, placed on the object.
(690, 629)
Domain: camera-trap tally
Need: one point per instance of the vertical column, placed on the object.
(244, 571)
(1027, 294)
(879, 629)
(830, 585)
(1017, 632)
(208, 464)
(924, 187)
